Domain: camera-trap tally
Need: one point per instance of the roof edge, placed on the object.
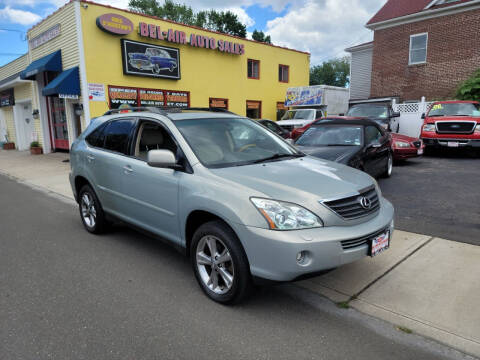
(423, 14)
(360, 47)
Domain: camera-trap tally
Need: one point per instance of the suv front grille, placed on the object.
(351, 208)
(455, 127)
(354, 243)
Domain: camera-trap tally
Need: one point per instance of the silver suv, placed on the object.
(236, 198)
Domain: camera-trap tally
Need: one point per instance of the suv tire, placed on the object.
(224, 277)
(91, 212)
(389, 167)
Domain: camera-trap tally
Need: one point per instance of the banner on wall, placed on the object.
(151, 97)
(122, 97)
(131, 97)
(177, 98)
(150, 60)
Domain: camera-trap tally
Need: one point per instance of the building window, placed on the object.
(254, 109)
(418, 49)
(283, 73)
(253, 71)
(281, 109)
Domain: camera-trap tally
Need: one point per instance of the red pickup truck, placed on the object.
(452, 124)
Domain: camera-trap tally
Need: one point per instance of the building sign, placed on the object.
(115, 24)
(68, 96)
(218, 103)
(96, 92)
(180, 37)
(150, 60)
(44, 37)
(177, 98)
(7, 98)
(131, 97)
(151, 97)
(121, 96)
(304, 96)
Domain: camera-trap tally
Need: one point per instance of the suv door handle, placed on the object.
(90, 158)
(127, 169)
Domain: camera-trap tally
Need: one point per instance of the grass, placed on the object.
(343, 305)
(404, 329)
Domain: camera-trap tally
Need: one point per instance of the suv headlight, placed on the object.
(286, 216)
(429, 127)
(401, 144)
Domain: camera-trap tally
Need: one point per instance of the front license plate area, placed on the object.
(420, 152)
(380, 243)
(452, 144)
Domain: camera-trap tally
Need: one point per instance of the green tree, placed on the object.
(335, 72)
(222, 21)
(260, 36)
(470, 88)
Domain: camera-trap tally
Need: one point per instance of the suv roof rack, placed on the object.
(165, 110)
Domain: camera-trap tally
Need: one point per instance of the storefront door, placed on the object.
(58, 118)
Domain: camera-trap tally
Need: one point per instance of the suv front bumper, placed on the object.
(444, 142)
(273, 254)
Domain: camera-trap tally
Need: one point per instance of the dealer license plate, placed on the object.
(380, 244)
(420, 152)
(452, 144)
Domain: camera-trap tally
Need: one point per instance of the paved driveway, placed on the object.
(438, 195)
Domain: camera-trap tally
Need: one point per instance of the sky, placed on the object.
(322, 27)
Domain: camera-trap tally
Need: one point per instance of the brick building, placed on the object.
(420, 48)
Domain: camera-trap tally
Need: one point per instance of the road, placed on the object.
(437, 195)
(67, 294)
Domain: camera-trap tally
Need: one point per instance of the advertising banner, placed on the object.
(150, 60)
(304, 96)
(177, 98)
(121, 97)
(151, 97)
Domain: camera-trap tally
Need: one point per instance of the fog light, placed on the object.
(303, 258)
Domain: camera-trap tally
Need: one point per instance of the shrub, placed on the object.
(470, 88)
(34, 144)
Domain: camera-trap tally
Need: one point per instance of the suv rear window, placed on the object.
(117, 135)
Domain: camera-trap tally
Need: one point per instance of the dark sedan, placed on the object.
(271, 125)
(362, 144)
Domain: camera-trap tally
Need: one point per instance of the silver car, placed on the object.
(241, 202)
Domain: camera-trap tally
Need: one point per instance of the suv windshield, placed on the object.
(233, 142)
(299, 115)
(369, 111)
(332, 135)
(455, 109)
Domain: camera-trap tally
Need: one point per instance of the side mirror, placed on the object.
(374, 145)
(162, 159)
(423, 116)
(395, 114)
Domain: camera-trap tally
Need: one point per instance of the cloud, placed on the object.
(16, 16)
(324, 27)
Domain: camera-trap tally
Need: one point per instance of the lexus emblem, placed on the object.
(365, 202)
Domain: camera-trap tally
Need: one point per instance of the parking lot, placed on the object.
(437, 195)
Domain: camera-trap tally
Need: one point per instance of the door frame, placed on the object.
(23, 142)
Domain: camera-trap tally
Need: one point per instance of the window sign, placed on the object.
(177, 98)
(418, 49)
(7, 98)
(150, 60)
(218, 103)
(122, 97)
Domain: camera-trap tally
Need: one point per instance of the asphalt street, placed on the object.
(437, 195)
(67, 294)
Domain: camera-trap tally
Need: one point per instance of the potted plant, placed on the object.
(35, 148)
(9, 146)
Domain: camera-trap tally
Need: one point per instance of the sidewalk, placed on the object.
(428, 285)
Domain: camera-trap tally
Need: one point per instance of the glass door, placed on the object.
(59, 123)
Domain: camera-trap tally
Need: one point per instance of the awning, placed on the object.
(66, 85)
(51, 62)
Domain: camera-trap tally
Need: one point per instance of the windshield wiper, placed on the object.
(276, 157)
(340, 145)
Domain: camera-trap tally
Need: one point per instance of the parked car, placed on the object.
(361, 144)
(153, 59)
(297, 118)
(379, 112)
(296, 133)
(406, 147)
(240, 202)
(272, 125)
(452, 124)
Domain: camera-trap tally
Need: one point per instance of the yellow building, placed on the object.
(87, 58)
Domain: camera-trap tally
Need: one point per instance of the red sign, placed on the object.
(115, 24)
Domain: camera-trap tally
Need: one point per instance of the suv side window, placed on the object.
(117, 135)
(97, 137)
(152, 136)
(372, 135)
